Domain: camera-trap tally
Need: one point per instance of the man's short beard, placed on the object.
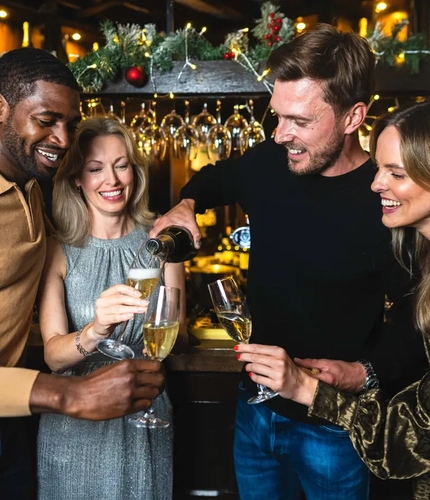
(16, 147)
(322, 160)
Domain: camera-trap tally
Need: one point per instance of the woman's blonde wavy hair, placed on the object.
(413, 126)
(68, 204)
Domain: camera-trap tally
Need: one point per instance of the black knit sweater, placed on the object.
(320, 265)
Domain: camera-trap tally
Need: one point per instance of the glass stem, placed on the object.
(122, 332)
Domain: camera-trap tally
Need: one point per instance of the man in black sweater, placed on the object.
(320, 268)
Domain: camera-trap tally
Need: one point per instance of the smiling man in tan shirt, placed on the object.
(39, 111)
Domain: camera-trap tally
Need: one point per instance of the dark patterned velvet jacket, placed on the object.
(391, 436)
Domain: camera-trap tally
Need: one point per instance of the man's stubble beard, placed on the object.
(321, 160)
(26, 163)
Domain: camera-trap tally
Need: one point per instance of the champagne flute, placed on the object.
(234, 316)
(145, 279)
(160, 331)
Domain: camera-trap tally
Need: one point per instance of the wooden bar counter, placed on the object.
(202, 385)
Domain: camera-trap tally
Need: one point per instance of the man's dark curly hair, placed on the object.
(20, 69)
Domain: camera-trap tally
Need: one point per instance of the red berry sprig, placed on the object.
(274, 28)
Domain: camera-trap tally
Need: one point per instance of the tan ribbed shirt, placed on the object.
(22, 255)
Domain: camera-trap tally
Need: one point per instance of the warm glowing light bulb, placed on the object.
(193, 66)
(300, 26)
(95, 46)
(362, 27)
(172, 95)
(188, 26)
(265, 72)
(76, 36)
(380, 6)
(25, 34)
(203, 30)
(3, 13)
(376, 97)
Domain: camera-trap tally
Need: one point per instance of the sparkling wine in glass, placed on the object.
(144, 279)
(234, 316)
(160, 331)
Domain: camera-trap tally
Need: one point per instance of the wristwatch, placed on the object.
(371, 381)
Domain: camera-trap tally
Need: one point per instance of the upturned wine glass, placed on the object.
(160, 331)
(141, 119)
(96, 108)
(111, 114)
(236, 124)
(186, 139)
(143, 275)
(151, 139)
(219, 139)
(170, 124)
(203, 122)
(253, 133)
(234, 316)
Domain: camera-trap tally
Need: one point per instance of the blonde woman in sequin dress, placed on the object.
(100, 208)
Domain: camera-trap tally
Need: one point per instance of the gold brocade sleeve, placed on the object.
(391, 436)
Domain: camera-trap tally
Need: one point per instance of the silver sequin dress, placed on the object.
(108, 460)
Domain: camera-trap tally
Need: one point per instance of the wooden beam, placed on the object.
(69, 5)
(101, 7)
(221, 13)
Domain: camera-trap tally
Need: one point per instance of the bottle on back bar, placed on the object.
(173, 243)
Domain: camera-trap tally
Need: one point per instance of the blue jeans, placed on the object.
(278, 459)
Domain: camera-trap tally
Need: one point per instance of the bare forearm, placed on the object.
(61, 351)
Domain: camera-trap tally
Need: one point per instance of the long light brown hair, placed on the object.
(413, 126)
(68, 206)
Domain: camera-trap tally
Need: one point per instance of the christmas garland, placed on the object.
(137, 51)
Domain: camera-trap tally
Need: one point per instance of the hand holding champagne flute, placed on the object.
(160, 331)
(233, 314)
(144, 279)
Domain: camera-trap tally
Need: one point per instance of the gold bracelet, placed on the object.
(78, 344)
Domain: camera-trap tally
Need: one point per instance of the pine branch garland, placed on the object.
(130, 45)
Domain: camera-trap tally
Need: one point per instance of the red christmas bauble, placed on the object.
(227, 56)
(135, 76)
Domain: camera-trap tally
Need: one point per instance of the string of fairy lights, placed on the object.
(239, 56)
(153, 53)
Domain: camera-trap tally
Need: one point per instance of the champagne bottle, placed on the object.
(173, 243)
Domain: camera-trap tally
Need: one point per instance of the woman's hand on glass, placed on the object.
(117, 304)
